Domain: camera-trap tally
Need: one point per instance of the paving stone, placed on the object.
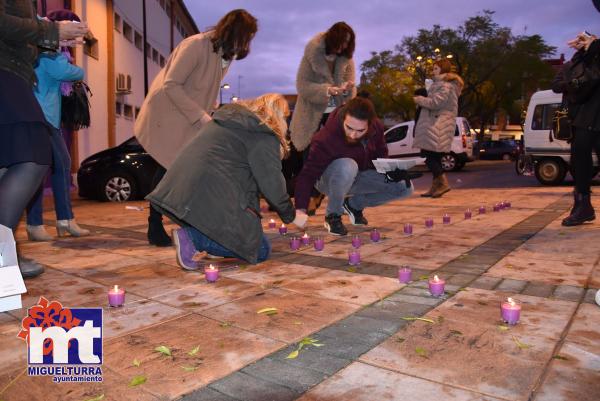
(485, 282)
(208, 394)
(247, 388)
(348, 346)
(359, 326)
(590, 296)
(461, 279)
(431, 301)
(297, 378)
(510, 285)
(416, 291)
(311, 358)
(568, 292)
(538, 290)
(394, 311)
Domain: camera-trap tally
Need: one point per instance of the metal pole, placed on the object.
(145, 49)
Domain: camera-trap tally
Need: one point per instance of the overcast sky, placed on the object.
(286, 26)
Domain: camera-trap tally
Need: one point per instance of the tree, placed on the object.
(498, 68)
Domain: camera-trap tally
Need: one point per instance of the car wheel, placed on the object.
(119, 187)
(550, 171)
(449, 162)
(506, 156)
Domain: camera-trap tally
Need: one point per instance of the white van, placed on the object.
(550, 157)
(400, 144)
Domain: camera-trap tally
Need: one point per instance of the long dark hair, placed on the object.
(336, 37)
(233, 34)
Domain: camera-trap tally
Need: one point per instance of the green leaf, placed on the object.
(424, 277)
(560, 357)
(99, 398)
(351, 269)
(440, 319)
(462, 289)
(137, 363)
(225, 324)
(400, 339)
(163, 350)
(421, 352)
(562, 233)
(293, 355)
(137, 380)
(194, 351)
(502, 327)
(267, 311)
(456, 333)
(520, 344)
(189, 368)
(298, 322)
(422, 319)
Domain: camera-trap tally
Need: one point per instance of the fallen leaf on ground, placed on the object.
(189, 368)
(137, 380)
(136, 363)
(520, 344)
(225, 324)
(423, 319)
(400, 340)
(456, 333)
(502, 327)
(163, 350)
(421, 352)
(351, 269)
(482, 303)
(267, 311)
(194, 351)
(99, 398)
(424, 277)
(560, 357)
(293, 355)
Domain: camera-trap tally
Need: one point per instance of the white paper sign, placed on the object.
(11, 281)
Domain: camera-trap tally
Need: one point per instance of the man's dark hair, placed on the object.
(336, 38)
(359, 108)
(233, 34)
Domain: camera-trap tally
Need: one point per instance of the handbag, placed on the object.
(75, 112)
(561, 125)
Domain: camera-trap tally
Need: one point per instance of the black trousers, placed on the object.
(158, 175)
(582, 163)
(433, 160)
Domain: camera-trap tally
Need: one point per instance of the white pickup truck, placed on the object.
(400, 137)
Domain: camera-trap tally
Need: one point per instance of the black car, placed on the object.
(117, 174)
(504, 150)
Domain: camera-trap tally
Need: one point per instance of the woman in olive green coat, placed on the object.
(212, 188)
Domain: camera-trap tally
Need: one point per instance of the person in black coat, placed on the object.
(579, 83)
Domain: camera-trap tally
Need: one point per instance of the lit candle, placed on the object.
(482, 209)
(446, 218)
(497, 207)
(283, 229)
(319, 243)
(305, 239)
(116, 296)
(429, 222)
(356, 242)
(375, 236)
(436, 286)
(294, 243)
(272, 224)
(511, 311)
(502, 205)
(468, 214)
(211, 273)
(354, 257)
(405, 274)
(408, 229)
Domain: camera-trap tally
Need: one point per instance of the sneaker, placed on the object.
(185, 250)
(333, 223)
(356, 216)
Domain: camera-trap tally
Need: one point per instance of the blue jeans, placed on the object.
(203, 243)
(61, 184)
(364, 189)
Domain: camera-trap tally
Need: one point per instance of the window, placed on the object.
(138, 40)
(397, 134)
(127, 31)
(128, 112)
(162, 61)
(117, 22)
(542, 116)
(119, 108)
(155, 56)
(148, 50)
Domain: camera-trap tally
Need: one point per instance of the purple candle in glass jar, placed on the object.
(511, 311)
(481, 209)
(507, 204)
(116, 296)
(272, 224)
(496, 207)
(405, 274)
(356, 242)
(319, 243)
(408, 229)
(211, 274)
(429, 222)
(375, 236)
(283, 229)
(446, 218)
(468, 214)
(436, 286)
(305, 239)
(353, 257)
(294, 243)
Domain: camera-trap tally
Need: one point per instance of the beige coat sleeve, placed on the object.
(437, 98)
(184, 62)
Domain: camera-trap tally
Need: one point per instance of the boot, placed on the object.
(584, 211)
(442, 186)
(575, 202)
(70, 226)
(156, 231)
(314, 204)
(37, 233)
(434, 185)
(29, 268)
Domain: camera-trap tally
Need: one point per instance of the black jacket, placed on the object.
(20, 35)
(584, 114)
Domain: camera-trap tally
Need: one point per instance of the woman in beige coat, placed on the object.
(183, 94)
(437, 122)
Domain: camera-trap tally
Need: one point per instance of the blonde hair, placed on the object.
(272, 109)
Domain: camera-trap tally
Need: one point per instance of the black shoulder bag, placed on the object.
(75, 112)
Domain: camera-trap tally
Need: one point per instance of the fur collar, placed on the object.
(315, 54)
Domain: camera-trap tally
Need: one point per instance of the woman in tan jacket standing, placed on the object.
(437, 122)
(183, 95)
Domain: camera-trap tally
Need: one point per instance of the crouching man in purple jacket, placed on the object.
(340, 166)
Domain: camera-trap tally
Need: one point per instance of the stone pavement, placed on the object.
(360, 346)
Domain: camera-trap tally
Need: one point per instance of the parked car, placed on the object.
(503, 150)
(551, 157)
(400, 137)
(117, 174)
